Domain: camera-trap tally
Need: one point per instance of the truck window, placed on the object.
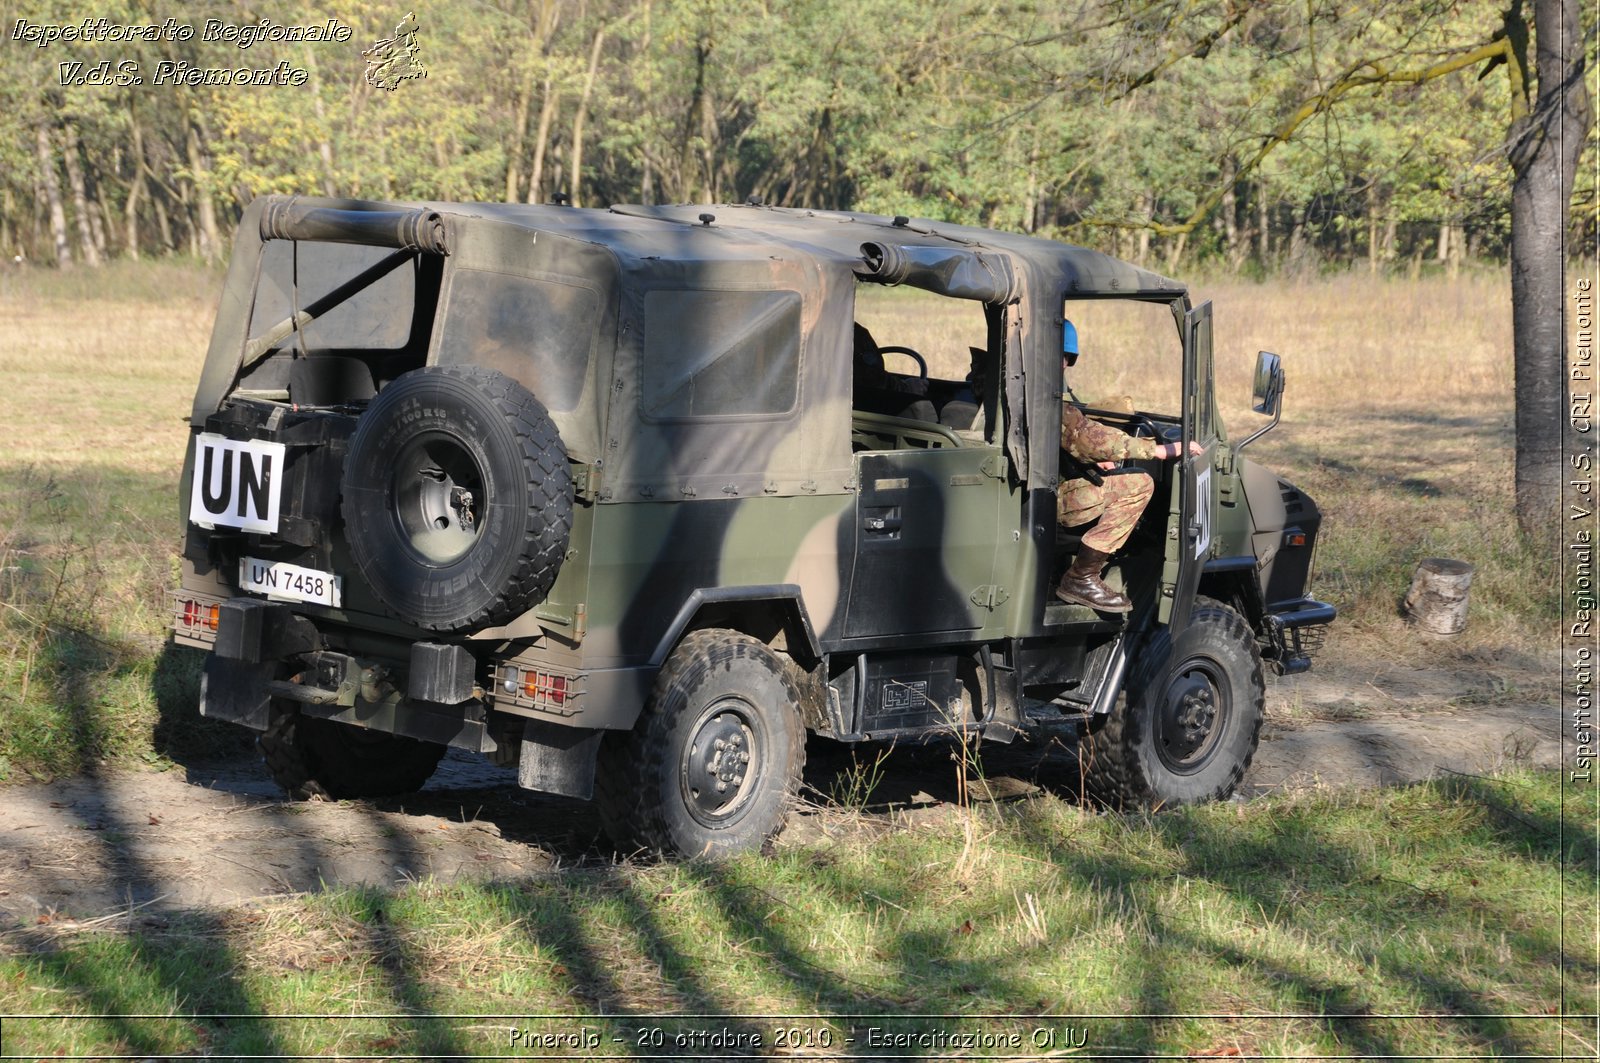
(297, 273)
(537, 331)
(720, 354)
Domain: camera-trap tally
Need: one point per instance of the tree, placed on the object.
(1549, 122)
(1545, 143)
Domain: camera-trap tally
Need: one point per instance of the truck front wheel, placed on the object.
(714, 762)
(1190, 723)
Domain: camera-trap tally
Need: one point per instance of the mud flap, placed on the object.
(558, 760)
(236, 691)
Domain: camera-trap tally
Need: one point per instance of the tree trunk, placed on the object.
(519, 133)
(130, 217)
(702, 52)
(330, 187)
(1297, 240)
(1263, 226)
(1146, 210)
(209, 237)
(1438, 598)
(1230, 215)
(80, 201)
(541, 141)
(583, 113)
(1372, 228)
(163, 220)
(52, 191)
(1176, 252)
(1544, 148)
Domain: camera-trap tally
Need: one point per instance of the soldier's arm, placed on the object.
(1090, 441)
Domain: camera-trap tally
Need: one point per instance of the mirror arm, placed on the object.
(1277, 415)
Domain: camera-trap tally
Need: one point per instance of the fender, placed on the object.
(787, 597)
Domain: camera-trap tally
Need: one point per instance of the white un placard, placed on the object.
(237, 483)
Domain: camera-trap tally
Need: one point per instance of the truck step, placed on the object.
(1081, 617)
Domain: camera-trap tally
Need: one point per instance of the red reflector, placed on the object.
(1297, 539)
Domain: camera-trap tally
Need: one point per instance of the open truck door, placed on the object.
(1196, 499)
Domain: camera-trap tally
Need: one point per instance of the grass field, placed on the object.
(1438, 901)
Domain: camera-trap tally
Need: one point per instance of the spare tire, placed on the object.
(457, 498)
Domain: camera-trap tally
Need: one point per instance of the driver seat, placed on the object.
(876, 390)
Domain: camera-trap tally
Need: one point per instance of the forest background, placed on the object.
(1168, 132)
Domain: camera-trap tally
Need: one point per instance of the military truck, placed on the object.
(616, 497)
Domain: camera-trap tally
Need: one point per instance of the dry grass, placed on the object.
(107, 381)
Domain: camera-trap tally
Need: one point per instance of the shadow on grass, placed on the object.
(1301, 875)
(1357, 912)
(89, 672)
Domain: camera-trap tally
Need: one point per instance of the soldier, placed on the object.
(1113, 506)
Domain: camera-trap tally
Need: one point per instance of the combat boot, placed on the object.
(1080, 584)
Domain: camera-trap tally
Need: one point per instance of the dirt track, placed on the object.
(218, 834)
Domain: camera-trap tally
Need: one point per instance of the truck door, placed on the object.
(1197, 498)
(927, 521)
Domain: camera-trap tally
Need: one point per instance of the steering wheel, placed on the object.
(1145, 425)
(922, 363)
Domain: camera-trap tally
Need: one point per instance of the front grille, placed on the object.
(1293, 501)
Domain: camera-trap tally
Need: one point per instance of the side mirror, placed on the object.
(1269, 384)
(1268, 395)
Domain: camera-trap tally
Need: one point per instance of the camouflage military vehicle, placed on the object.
(608, 495)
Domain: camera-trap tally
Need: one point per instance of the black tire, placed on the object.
(457, 498)
(724, 712)
(315, 758)
(1189, 725)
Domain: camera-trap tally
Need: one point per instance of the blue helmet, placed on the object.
(1069, 342)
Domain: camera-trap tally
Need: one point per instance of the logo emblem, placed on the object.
(394, 59)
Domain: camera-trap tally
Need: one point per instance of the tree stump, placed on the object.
(1437, 600)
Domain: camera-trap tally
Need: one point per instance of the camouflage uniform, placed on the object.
(1121, 499)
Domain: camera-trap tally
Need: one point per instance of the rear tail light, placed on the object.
(542, 686)
(199, 614)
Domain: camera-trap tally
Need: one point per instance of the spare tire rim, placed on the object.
(1192, 717)
(438, 497)
(721, 763)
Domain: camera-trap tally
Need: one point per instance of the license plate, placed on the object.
(237, 483)
(286, 582)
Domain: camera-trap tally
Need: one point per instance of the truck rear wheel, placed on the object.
(311, 757)
(1190, 723)
(714, 763)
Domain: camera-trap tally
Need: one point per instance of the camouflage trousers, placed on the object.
(1115, 505)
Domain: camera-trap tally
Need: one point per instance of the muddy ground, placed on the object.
(219, 835)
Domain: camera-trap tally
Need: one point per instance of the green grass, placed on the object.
(1415, 921)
